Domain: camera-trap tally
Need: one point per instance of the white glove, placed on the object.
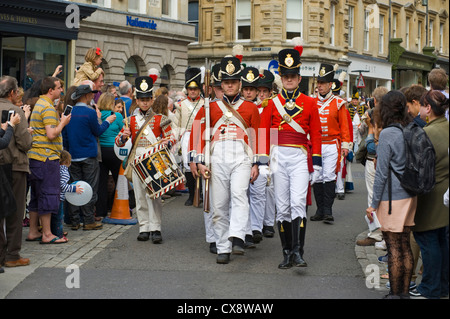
(315, 176)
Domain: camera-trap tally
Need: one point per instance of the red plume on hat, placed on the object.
(154, 74)
(238, 52)
(298, 44)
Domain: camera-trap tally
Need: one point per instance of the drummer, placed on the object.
(155, 128)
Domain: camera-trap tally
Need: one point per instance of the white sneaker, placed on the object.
(380, 245)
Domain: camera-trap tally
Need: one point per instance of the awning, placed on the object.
(41, 18)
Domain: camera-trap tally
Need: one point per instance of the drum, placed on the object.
(158, 170)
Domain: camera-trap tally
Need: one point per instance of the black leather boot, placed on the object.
(190, 183)
(319, 197)
(302, 235)
(297, 259)
(285, 231)
(328, 200)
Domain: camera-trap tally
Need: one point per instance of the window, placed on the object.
(407, 33)
(332, 23)
(381, 35)
(137, 6)
(243, 19)
(294, 18)
(394, 25)
(366, 30)
(193, 15)
(102, 3)
(441, 38)
(351, 19)
(430, 40)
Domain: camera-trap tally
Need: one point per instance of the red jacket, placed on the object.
(231, 131)
(278, 132)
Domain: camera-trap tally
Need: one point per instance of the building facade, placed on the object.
(136, 35)
(382, 40)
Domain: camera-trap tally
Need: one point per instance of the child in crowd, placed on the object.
(57, 219)
(90, 70)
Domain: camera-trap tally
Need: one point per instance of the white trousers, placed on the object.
(262, 200)
(208, 218)
(291, 180)
(329, 161)
(148, 210)
(230, 176)
(340, 188)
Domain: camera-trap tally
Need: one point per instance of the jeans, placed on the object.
(88, 171)
(434, 248)
(56, 223)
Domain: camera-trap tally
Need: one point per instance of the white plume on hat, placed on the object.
(238, 51)
(154, 74)
(202, 72)
(298, 44)
(277, 80)
(336, 66)
(342, 77)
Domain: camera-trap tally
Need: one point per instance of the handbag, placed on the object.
(8, 204)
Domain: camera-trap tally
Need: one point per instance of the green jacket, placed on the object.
(431, 212)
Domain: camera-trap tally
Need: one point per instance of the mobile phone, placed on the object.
(5, 116)
(10, 114)
(112, 113)
(68, 110)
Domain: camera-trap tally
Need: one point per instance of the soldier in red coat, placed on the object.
(233, 124)
(292, 137)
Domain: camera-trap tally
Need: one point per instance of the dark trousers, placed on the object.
(109, 163)
(11, 226)
(87, 171)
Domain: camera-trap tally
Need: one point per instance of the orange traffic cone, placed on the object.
(120, 213)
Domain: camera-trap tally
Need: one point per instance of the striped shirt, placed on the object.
(42, 149)
(64, 182)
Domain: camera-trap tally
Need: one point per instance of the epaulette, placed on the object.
(265, 102)
(165, 121)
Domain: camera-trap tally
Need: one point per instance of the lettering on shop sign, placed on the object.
(135, 22)
(17, 19)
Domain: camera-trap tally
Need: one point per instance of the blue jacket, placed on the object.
(80, 135)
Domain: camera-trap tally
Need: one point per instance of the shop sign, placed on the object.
(135, 22)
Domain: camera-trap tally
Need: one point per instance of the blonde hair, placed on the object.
(91, 54)
(106, 101)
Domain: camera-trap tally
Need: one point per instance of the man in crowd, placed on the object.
(14, 155)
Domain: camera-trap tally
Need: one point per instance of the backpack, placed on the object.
(419, 175)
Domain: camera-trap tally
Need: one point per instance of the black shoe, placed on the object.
(189, 202)
(213, 248)
(2, 270)
(340, 196)
(297, 260)
(316, 217)
(249, 243)
(257, 236)
(223, 258)
(144, 236)
(268, 231)
(156, 237)
(287, 260)
(329, 219)
(238, 246)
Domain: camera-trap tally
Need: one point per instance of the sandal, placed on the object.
(53, 241)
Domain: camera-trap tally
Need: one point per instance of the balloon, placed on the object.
(124, 151)
(80, 199)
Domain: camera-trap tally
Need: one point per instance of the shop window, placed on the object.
(131, 70)
(165, 76)
(30, 59)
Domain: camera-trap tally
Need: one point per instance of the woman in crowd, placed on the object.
(432, 217)
(110, 162)
(396, 222)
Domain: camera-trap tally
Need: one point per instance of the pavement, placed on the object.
(84, 245)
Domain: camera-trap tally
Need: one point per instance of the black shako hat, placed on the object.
(289, 62)
(336, 86)
(266, 79)
(215, 70)
(326, 73)
(230, 68)
(82, 90)
(250, 77)
(144, 87)
(193, 78)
